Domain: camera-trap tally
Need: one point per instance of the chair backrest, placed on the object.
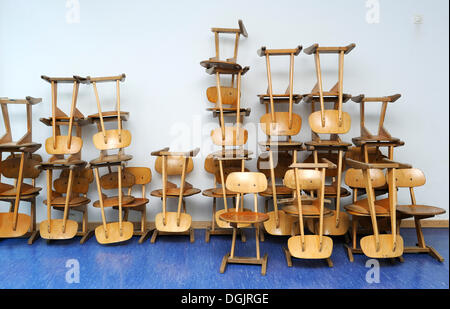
(307, 179)
(111, 180)
(142, 175)
(234, 136)
(354, 178)
(246, 182)
(229, 95)
(61, 146)
(10, 167)
(80, 184)
(409, 178)
(281, 164)
(112, 139)
(281, 125)
(331, 122)
(174, 165)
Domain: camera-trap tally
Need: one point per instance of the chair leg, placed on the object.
(154, 235)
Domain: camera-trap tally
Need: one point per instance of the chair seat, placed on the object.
(361, 208)
(175, 192)
(330, 191)
(420, 210)
(282, 145)
(11, 190)
(247, 217)
(74, 202)
(311, 210)
(232, 153)
(114, 201)
(282, 191)
(111, 159)
(135, 203)
(110, 114)
(217, 192)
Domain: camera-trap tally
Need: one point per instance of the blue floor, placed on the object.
(172, 262)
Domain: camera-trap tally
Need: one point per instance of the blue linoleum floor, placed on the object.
(172, 262)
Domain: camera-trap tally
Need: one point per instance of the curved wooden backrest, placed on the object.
(112, 139)
(79, 184)
(83, 173)
(354, 178)
(233, 136)
(409, 178)
(174, 165)
(246, 182)
(307, 179)
(111, 180)
(10, 166)
(333, 157)
(210, 164)
(142, 175)
(281, 125)
(229, 95)
(282, 161)
(61, 145)
(331, 122)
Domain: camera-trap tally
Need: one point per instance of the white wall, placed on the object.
(159, 46)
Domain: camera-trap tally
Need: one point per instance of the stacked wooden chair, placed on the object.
(65, 151)
(107, 140)
(19, 165)
(308, 177)
(276, 124)
(174, 164)
(231, 139)
(333, 122)
(245, 183)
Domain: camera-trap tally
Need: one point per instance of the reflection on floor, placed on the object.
(172, 262)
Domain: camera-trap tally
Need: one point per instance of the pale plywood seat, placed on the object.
(218, 193)
(331, 191)
(308, 210)
(280, 98)
(111, 159)
(114, 201)
(58, 202)
(26, 189)
(282, 191)
(232, 153)
(244, 217)
(137, 202)
(110, 115)
(64, 162)
(175, 192)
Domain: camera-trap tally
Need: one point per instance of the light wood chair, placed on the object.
(275, 125)
(382, 139)
(13, 223)
(378, 245)
(174, 164)
(303, 177)
(142, 177)
(333, 122)
(78, 200)
(412, 178)
(10, 168)
(245, 183)
(59, 146)
(219, 227)
(217, 31)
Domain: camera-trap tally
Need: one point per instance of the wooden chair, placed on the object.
(174, 164)
(118, 180)
(302, 246)
(142, 177)
(10, 168)
(78, 200)
(219, 227)
(377, 245)
(330, 121)
(242, 183)
(383, 138)
(13, 223)
(275, 125)
(411, 178)
(217, 31)
(59, 146)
